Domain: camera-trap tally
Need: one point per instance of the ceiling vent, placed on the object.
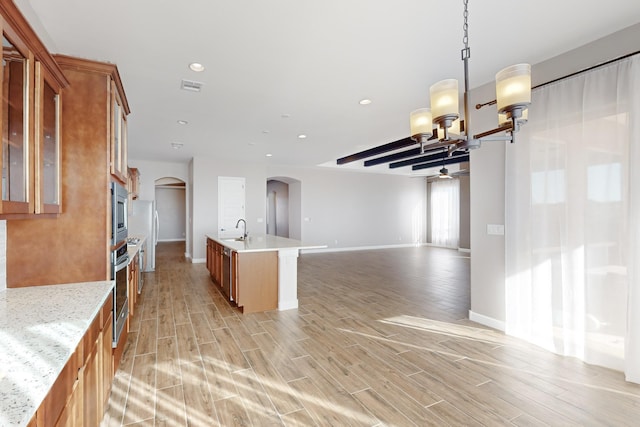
(190, 85)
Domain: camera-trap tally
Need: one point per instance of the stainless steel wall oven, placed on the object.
(120, 260)
(119, 198)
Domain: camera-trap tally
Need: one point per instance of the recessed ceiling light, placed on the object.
(196, 66)
(365, 101)
(182, 122)
(302, 136)
(176, 145)
(269, 155)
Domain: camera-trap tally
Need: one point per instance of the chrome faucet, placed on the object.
(244, 234)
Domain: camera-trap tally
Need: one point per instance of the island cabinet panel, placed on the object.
(256, 281)
(214, 260)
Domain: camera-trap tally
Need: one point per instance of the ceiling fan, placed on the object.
(444, 173)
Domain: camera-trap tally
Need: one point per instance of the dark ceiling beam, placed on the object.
(444, 162)
(421, 159)
(392, 157)
(381, 149)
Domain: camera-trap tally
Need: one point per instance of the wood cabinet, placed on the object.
(133, 270)
(77, 397)
(92, 397)
(214, 260)
(118, 138)
(254, 277)
(57, 405)
(134, 182)
(31, 88)
(107, 352)
(36, 252)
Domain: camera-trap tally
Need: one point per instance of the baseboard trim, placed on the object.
(198, 260)
(171, 240)
(487, 321)
(361, 248)
(464, 250)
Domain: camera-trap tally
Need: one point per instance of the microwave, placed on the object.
(119, 199)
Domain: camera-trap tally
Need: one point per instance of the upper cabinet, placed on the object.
(119, 111)
(31, 90)
(133, 183)
(47, 142)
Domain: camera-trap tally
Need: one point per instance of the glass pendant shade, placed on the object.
(444, 98)
(513, 87)
(421, 122)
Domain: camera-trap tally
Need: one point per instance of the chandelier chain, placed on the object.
(465, 52)
(465, 26)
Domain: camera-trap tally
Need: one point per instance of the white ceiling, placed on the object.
(279, 68)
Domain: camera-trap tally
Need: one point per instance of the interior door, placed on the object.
(231, 205)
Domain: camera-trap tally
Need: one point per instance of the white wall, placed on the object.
(150, 171)
(354, 209)
(488, 172)
(205, 198)
(171, 207)
(343, 209)
(281, 214)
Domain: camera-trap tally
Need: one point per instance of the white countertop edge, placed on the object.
(262, 243)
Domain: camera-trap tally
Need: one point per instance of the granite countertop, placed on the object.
(262, 243)
(40, 327)
(133, 249)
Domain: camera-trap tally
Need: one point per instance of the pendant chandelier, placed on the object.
(441, 126)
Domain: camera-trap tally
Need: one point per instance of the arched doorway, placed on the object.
(170, 197)
(284, 207)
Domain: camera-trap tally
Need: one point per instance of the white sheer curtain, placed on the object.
(573, 219)
(445, 212)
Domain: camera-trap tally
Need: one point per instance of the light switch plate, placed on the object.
(495, 229)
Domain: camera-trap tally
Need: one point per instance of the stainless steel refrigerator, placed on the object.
(144, 221)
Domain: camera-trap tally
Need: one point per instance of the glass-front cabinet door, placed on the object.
(15, 131)
(47, 143)
(119, 137)
(31, 89)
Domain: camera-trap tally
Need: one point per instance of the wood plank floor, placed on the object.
(380, 338)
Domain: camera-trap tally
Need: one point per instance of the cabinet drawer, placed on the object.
(107, 310)
(91, 336)
(62, 389)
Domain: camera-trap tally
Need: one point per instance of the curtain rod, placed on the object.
(593, 67)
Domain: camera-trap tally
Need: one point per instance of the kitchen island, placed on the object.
(41, 331)
(258, 273)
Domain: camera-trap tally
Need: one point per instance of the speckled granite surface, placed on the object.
(262, 243)
(40, 327)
